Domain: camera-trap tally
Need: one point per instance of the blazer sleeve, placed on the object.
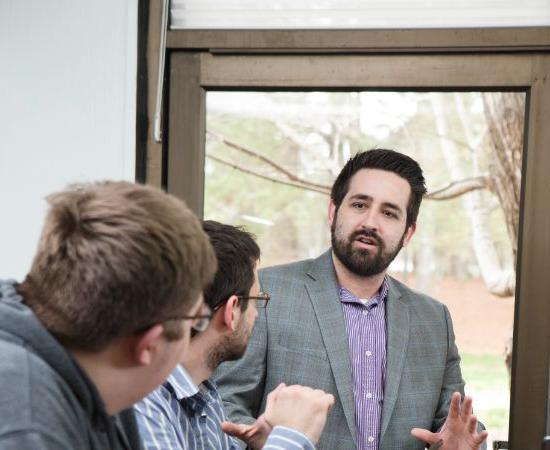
(241, 383)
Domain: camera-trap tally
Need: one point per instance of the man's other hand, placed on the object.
(459, 432)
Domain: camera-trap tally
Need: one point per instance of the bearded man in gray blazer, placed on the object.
(341, 324)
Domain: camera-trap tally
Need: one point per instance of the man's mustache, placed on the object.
(367, 233)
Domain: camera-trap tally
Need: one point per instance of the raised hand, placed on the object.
(459, 432)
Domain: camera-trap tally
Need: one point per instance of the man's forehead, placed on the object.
(379, 185)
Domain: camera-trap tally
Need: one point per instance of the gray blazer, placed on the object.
(301, 339)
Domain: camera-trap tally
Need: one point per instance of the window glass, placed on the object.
(271, 158)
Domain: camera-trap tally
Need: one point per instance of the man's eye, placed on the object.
(390, 214)
(358, 205)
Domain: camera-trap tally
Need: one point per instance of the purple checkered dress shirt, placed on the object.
(366, 328)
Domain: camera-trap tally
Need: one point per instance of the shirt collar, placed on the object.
(380, 296)
(181, 384)
(188, 394)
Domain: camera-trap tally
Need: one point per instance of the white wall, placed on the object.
(67, 108)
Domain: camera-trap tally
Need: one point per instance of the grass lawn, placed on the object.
(487, 382)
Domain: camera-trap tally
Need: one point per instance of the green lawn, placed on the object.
(487, 382)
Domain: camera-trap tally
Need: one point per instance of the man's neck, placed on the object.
(196, 361)
(360, 286)
(101, 369)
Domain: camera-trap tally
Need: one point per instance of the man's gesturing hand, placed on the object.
(459, 432)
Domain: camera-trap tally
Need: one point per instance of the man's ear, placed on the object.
(231, 312)
(147, 344)
(409, 234)
(331, 212)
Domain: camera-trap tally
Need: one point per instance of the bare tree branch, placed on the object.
(279, 168)
(266, 177)
(289, 131)
(452, 190)
(457, 188)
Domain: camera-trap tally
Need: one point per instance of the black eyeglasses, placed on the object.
(261, 299)
(200, 321)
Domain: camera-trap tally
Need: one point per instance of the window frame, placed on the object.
(444, 60)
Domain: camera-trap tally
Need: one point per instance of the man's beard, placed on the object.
(361, 261)
(230, 347)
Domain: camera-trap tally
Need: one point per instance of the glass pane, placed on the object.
(342, 14)
(272, 157)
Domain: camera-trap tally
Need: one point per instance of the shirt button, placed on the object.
(369, 395)
(370, 439)
(365, 312)
(368, 353)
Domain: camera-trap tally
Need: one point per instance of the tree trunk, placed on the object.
(499, 281)
(505, 113)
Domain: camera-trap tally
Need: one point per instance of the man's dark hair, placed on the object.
(388, 160)
(237, 253)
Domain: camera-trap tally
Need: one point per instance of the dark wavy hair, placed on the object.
(237, 253)
(391, 161)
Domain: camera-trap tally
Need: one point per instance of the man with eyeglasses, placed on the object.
(186, 412)
(96, 323)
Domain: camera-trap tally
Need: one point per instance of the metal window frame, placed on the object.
(460, 59)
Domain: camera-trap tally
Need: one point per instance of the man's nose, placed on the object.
(370, 220)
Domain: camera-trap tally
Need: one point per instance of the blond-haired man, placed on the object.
(100, 318)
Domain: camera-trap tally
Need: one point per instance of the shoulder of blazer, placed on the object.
(296, 271)
(413, 298)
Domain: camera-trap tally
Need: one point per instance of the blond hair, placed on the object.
(113, 258)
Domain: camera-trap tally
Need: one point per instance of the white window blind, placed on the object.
(342, 14)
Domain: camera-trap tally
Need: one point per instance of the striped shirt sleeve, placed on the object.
(283, 438)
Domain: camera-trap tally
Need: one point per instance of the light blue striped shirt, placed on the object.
(179, 415)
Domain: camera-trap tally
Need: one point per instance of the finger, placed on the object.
(326, 400)
(319, 393)
(330, 400)
(454, 407)
(235, 429)
(304, 389)
(278, 388)
(248, 434)
(273, 395)
(466, 408)
(425, 435)
(472, 424)
(481, 437)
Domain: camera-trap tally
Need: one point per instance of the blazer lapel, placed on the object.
(323, 291)
(397, 322)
